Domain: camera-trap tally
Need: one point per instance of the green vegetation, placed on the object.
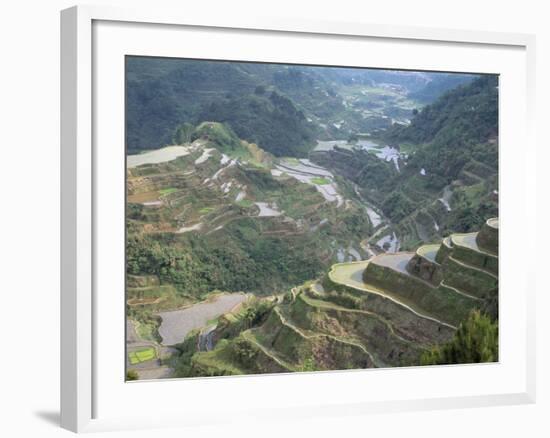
(142, 355)
(465, 115)
(398, 206)
(271, 121)
(421, 164)
(206, 210)
(238, 259)
(157, 103)
(234, 250)
(146, 322)
(132, 375)
(448, 284)
(148, 330)
(438, 86)
(218, 135)
(168, 191)
(245, 203)
(182, 363)
(183, 133)
(451, 146)
(221, 361)
(320, 181)
(475, 341)
(165, 96)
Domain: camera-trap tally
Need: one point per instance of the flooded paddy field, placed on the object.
(176, 324)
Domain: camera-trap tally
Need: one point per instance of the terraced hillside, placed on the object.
(433, 177)
(224, 214)
(278, 106)
(383, 312)
(218, 214)
(297, 218)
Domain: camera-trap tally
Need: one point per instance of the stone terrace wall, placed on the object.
(425, 269)
(487, 237)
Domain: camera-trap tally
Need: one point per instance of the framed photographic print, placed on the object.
(253, 209)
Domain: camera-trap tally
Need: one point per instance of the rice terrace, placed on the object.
(292, 218)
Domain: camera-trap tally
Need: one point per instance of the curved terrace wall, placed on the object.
(389, 279)
(406, 324)
(468, 279)
(424, 269)
(488, 236)
(449, 307)
(372, 330)
(475, 258)
(444, 250)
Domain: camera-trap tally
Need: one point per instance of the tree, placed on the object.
(183, 133)
(132, 375)
(475, 341)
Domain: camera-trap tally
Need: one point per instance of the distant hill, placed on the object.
(163, 93)
(438, 85)
(466, 114)
(448, 177)
(283, 108)
(271, 121)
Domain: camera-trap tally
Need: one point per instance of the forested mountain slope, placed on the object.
(292, 218)
(447, 178)
(438, 85)
(268, 119)
(283, 108)
(466, 114)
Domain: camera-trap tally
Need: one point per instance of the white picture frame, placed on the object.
(86, 392)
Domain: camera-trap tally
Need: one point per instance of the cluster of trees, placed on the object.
(272, 121)
(475, 341)
(183, 133)
(219, 135)
(470, 217)
(239, 260)
(164, 93)
(467, 114)
(453, 130)
(165, 96)
(397, 206)
(254, 313)
(450, 134)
